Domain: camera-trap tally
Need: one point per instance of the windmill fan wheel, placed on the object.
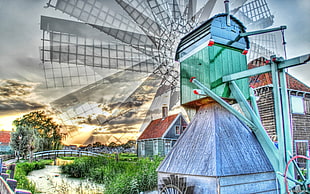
(175, 185)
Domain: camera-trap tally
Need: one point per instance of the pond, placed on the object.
(50, 181)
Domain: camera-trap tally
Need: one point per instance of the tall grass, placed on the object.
(117, 176)
(83, 167)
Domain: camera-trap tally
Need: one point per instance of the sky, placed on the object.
(22, 87)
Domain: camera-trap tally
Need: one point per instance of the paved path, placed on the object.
(10, 161)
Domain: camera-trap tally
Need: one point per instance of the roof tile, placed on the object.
(266, 78)
(157, 128)
(5, 137)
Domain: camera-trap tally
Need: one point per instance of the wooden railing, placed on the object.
(7, 182)
(52, 154)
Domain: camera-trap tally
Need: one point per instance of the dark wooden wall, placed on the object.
(266, 109)
(300, 122)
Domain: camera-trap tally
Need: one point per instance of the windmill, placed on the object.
(121, 54)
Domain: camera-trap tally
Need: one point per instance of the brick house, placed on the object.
(5, 141)
(299, 102)
(160, 135)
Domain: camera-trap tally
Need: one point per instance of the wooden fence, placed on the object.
(52, 154)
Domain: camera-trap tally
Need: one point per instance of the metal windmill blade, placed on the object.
(104, 96)
(152, 38)
(67, 44)
(110, 49)
(255, 14)
(109, 111)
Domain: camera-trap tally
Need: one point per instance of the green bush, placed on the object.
(128, 157)
(82, 167)
(67, 158)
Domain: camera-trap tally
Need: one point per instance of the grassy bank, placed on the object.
(121, 175)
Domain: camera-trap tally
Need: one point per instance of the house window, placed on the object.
(155, 147)
(301, 148)
(307, 105)
(177, 130)
(297, 105)
(183, 129)
(167, 146)
(142, 148)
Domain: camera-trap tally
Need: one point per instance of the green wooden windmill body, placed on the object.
(210, 63)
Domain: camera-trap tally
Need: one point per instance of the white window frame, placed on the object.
(307, 105)
(167, 146)
(297, 104)
(178, 130)
(142, 148)
(155, 147)
(297, 142)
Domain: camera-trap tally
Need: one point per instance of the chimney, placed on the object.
(164, 111)
(227, 11)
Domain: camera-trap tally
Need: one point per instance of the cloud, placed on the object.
(16, 96)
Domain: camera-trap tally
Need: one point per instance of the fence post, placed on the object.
(12, 170)
(4, 169)
(5, 176)
(0, 165)
(12, 183)
(20, 191)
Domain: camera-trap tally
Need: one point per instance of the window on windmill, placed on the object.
(297, 105)
(177, 130)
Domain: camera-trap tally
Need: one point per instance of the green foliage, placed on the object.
(113, 145)
(128, 157)
(83, 166)
(67, 158)
(140, 177)
(23, 169)
(22, 140)
(35, 131)
(129, 144)
(117, 176)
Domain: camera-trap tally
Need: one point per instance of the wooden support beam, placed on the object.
(247, 73)
(304, 59)
(267, 68)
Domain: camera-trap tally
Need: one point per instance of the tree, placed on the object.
(35, 131)
(19, 141)
(112, 145)
(97, 144)
(129, 144)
